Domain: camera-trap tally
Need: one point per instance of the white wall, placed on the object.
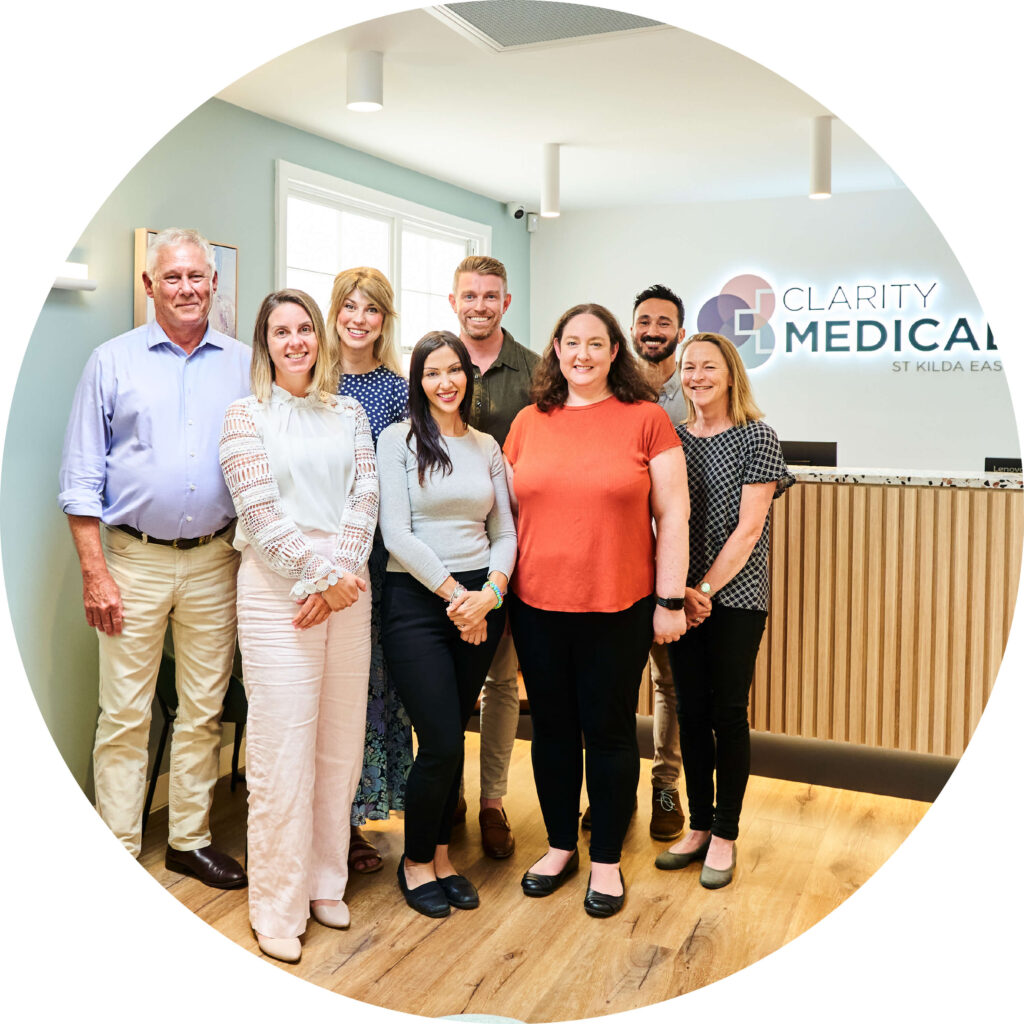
(943, 419)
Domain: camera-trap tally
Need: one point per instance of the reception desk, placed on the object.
(892, 595)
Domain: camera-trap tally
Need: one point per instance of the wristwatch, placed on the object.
(673, 604)
(705, 588)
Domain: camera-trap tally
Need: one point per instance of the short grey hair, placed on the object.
(179, 236)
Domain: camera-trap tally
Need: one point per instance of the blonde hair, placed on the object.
(325, 371)
(377, 288)
(742, 407)
(487, 266)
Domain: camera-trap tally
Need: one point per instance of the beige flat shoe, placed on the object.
(288, 950)
(336, 916)
(668, 861)
(718, 878)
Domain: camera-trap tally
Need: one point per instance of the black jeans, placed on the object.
(438, 677)
(582, 672)
(713, 666)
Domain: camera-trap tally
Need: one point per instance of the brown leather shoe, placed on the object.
(210, 866)
(666, 814)
(496, 833)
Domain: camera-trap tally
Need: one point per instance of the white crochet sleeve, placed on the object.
(359, 519)
(243, 460)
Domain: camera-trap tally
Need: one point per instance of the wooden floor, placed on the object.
(802, 851)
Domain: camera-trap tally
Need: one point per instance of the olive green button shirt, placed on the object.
(503, 390)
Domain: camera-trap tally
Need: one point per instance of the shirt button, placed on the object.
(188, 519)
(191, 455)
(191, 487)
(190, 423)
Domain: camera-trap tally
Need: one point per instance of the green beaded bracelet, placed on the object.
(497, 593)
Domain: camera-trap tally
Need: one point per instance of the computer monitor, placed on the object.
(997, 465)
(810, 453)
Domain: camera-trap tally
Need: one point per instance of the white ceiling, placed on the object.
(649, 117)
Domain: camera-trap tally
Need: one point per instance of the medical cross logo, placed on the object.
(741, 312)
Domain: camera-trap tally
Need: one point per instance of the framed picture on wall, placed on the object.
(224, 309)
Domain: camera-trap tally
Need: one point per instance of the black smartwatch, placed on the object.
(673, 604)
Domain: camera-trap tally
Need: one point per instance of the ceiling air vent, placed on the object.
(501, 25)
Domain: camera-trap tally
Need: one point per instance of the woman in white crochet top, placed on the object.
(299, 462)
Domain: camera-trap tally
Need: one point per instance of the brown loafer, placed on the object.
(496, 833)
(210, 866)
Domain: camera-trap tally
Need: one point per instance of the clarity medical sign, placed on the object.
(862, 319)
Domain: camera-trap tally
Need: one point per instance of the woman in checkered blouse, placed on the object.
(735, 468)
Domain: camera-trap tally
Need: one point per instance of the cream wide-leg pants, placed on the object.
(304, 743)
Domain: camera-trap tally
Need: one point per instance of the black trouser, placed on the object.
(582, 672)
(713, 666)
(438, 676)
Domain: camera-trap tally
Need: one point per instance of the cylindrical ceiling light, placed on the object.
(821, 157)
(365, 80)
(549, 182)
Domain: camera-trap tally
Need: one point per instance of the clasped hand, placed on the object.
(469, 613)
(669, 625)
(696, 605)
(315, 608)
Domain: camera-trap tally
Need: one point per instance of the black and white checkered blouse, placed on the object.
(717, 467)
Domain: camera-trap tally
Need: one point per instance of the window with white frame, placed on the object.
(326, 224)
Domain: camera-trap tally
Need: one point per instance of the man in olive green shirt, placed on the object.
(502, 371)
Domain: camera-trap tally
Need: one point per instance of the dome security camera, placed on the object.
(516, 210)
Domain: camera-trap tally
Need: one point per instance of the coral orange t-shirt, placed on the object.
(581, 478)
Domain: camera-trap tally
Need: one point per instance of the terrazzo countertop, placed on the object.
(908, 478)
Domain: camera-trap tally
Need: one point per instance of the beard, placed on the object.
(654, 357)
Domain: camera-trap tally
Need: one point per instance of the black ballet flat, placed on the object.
(544, 885)
(460, 892)
(600, 904)
(428, 899)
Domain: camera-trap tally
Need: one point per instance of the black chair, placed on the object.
(236, 710)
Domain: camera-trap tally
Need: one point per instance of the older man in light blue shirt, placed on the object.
(151, 519)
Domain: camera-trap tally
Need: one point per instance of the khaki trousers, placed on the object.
(194, 590)
(668, 763)
(499, 718)
(304, 743)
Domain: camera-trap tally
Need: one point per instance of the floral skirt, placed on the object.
(387, 754)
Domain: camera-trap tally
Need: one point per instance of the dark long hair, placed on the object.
(430, 449)
(627, 383)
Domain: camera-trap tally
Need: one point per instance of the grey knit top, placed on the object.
(457, 522)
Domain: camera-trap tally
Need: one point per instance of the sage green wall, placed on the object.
(214, 172)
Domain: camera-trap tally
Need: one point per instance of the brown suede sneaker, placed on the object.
(666, 814)
(496, 833)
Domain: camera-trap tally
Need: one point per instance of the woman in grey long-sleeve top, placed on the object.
(448, 528)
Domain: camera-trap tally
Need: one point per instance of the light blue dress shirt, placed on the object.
(141, 447)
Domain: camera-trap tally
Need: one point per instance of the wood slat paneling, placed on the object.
(890, 612)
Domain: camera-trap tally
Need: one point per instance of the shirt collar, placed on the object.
(156, 336)
(671, 387)
(506, 354)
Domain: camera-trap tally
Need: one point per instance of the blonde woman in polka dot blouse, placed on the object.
(362, 321)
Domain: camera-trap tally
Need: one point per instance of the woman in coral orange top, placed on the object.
(589, 466)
